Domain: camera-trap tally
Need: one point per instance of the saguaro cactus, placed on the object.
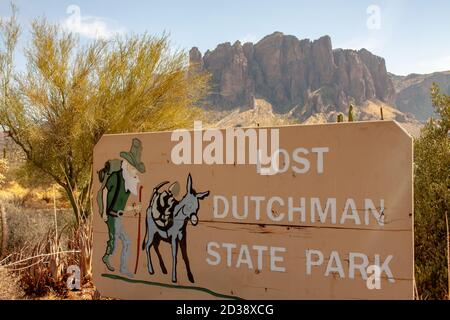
(350, 113)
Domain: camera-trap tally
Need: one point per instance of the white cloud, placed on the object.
(90, 26)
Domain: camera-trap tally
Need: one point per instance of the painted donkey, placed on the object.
(175, 216)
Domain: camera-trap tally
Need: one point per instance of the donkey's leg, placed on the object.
(161, 261)
(174, 258)
(150, 240)
(183, 248)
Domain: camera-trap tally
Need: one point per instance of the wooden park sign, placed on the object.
(193, 214)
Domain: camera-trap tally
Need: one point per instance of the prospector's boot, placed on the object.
(126, 273)
(105, 260)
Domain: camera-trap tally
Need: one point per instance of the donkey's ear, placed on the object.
(189, 184)
(202, 195)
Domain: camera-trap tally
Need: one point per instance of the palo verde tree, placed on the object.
(70, 95)
(432, 201)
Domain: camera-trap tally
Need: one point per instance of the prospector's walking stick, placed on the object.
(139, 232)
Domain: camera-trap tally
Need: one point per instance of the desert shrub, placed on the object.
(80, 239)
(432, 202)
(27, 225)
(39, 266)
(34, 197)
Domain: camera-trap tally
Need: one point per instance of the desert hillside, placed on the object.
(263, 114)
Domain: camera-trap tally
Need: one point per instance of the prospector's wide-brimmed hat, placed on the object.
(134, 156)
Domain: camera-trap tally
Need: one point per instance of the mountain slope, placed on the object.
(263, 115)
(413, 92)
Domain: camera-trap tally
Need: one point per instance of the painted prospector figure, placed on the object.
(119, 178)
(167, 219)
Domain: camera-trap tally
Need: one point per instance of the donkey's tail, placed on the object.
(145, 236)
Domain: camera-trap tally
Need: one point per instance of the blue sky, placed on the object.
(411, 35)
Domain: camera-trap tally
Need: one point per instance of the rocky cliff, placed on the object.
(307, 76)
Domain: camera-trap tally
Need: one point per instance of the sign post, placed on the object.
(332, 219)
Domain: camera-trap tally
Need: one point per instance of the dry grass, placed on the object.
(81, 241)
(9, 286)
(41, 264)
(20, 219)
(10, 289)
(37, 198)
(41, 244)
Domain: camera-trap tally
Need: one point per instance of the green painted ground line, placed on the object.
(174, 286)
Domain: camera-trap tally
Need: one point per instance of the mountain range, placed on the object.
(308, 81)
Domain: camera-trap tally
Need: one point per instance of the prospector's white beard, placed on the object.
(131, 182)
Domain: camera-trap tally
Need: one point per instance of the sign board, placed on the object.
(184, 215)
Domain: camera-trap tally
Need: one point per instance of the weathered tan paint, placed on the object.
(366, 160)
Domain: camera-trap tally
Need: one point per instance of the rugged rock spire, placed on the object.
(288, 73)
